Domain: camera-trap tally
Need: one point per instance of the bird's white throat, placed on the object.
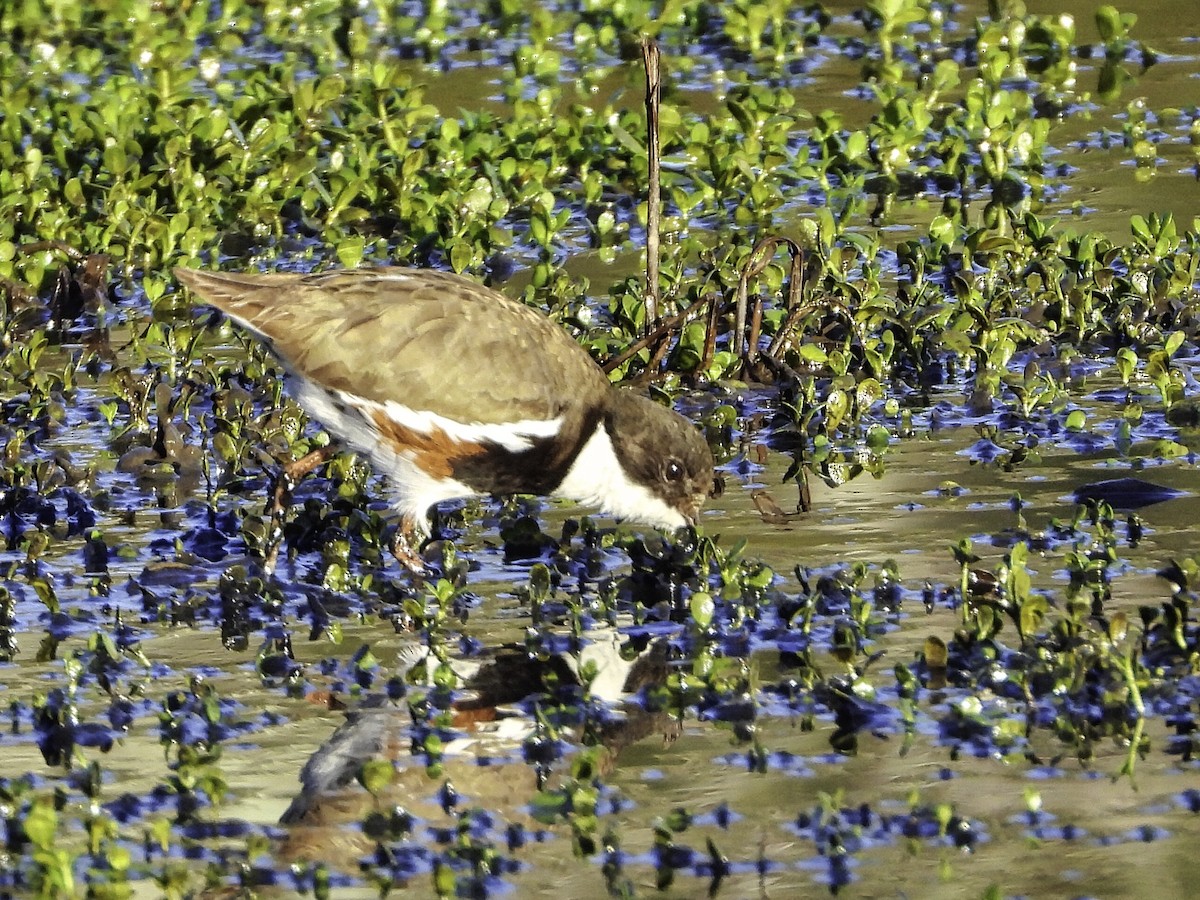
(596, 478)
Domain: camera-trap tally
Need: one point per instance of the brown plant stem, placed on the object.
(651, 60)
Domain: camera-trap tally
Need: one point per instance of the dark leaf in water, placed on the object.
(207, 543)
(1084, 443)
(984, 451)
(1125, 493)
(93, 734)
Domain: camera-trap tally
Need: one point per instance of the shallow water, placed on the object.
(1125, 841)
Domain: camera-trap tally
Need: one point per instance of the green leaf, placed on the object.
(813, 353)
(867, 393)
(702, 608)
(878, 438)
(836, 407)
(41, 824)
(443, 879)
(1108, 23)
(1126, 364)
(375, 775)
(73, 191)
(1174, 342)
(350, 251)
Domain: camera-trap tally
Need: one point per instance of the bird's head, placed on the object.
(664, 455)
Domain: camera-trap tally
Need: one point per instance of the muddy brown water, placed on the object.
(1129, 842)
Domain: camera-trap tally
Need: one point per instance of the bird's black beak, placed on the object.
(692, 512)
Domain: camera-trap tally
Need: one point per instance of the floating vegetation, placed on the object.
(972, 633)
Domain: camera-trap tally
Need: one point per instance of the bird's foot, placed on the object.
(406, 547)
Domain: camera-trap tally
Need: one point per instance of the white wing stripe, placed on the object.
(514, 437)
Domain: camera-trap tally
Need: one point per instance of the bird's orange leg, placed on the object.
(406, 545)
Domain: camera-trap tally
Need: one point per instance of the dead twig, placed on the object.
(760, 257)
(71, 253)
(664, 328)
(652, 61)
(287, 476)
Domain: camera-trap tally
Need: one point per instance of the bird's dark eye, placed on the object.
(673, 470)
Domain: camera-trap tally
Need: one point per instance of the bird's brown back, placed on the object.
(427, 339)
